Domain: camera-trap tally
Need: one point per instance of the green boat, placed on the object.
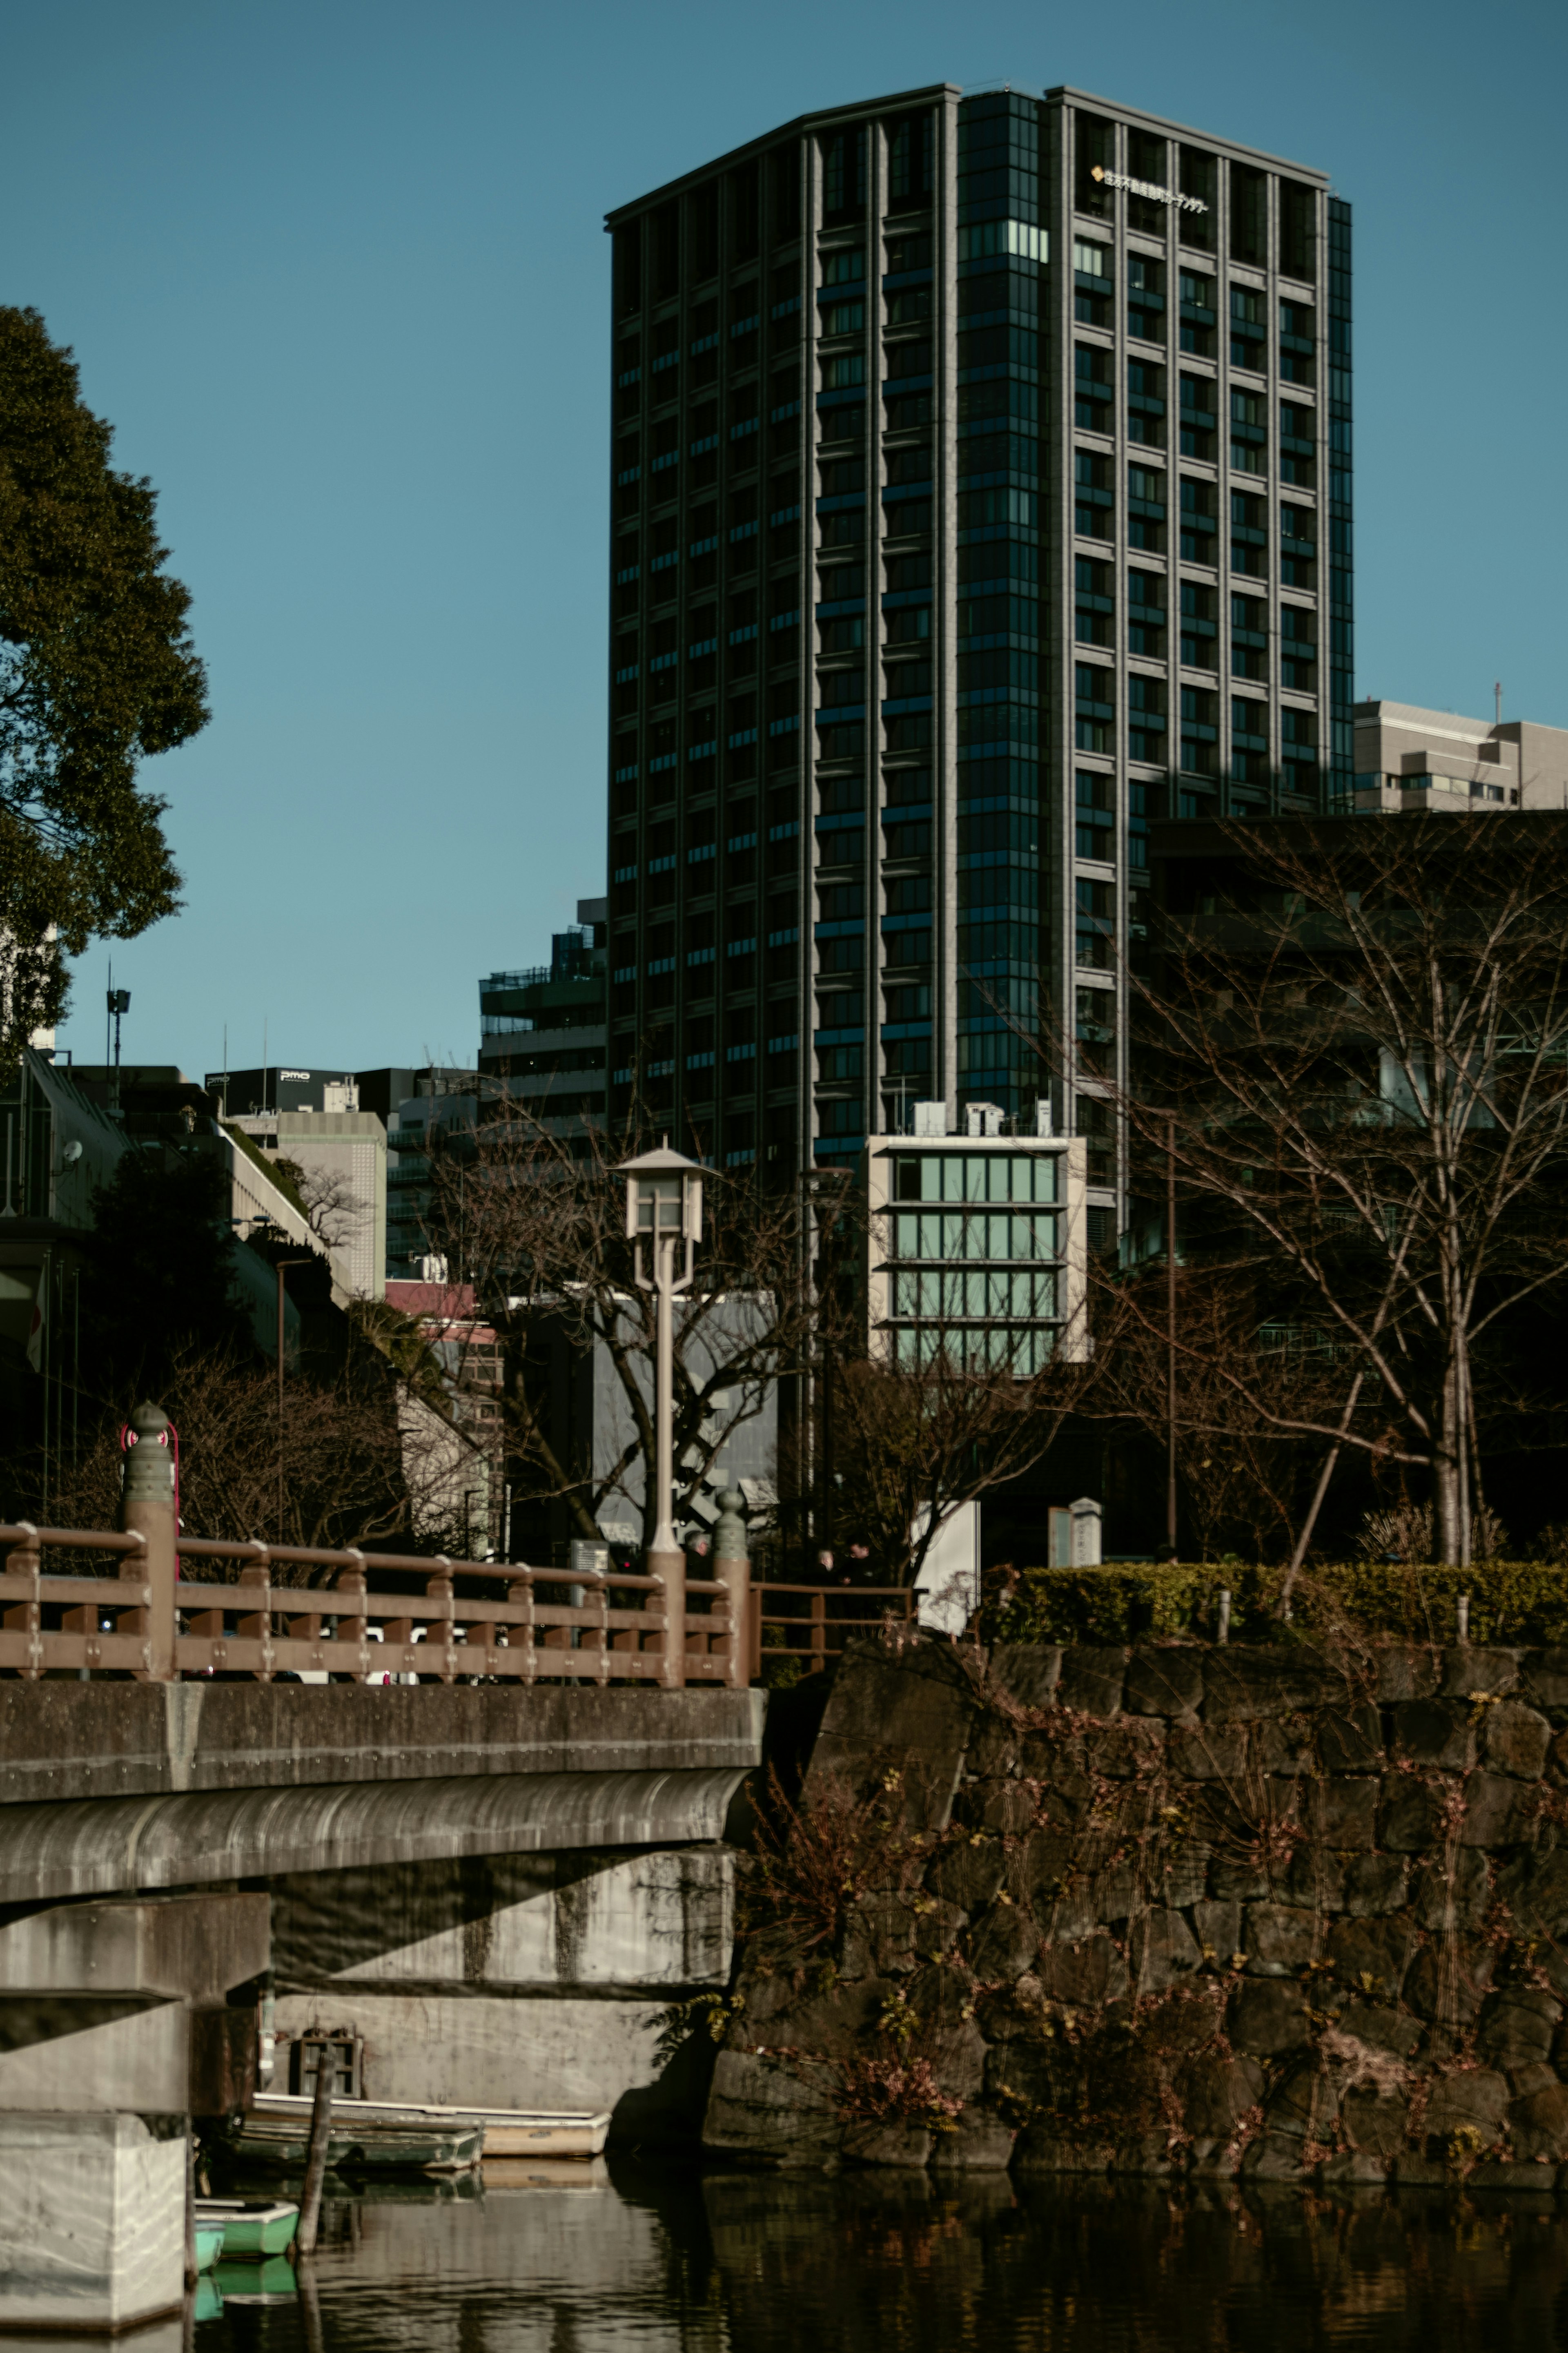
(209, 2237)
(268, 2280)
(279, 2139)
(247, 2226)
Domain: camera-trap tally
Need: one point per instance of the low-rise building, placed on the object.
(1408, 759)
(976, 1242)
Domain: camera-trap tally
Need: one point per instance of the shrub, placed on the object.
(1519, 1602)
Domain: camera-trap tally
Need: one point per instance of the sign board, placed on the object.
(948, 1581)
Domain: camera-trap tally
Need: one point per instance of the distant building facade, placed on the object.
(976, 1242)
(543, 1033)
(1407, 758)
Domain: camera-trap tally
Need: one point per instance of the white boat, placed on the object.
(508, 2132)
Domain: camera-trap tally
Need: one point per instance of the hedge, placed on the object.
(1511, 1602)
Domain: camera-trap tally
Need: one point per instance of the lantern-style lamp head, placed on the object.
(664, 1203)
(664, 1197)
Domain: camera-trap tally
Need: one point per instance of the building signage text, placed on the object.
(1156, 195)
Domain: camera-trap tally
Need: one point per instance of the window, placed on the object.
(1094, 1026)
(1198, 316)
(844, 635)
(1096, 818)
(1095, 924)
(1299, 647)
(1138, 814)
(1094, 143)
(1145, 298)
(1249, 638)
(1248, 536)
(1247, 328)
(1091, 260)
(1297, 342)
(1094, 613)
(1197, 417)
(1248, 210)
(844, 318)
(1198, 179)
(1298, 547)
(1200, 631)
(847, 369)
(1249, 723)
(1146, 509)
(909, 306)
(1298, 230)
(1091, 388)
(1093, 500)
(843, 172)
(1146, 718)
(1146, 614)
(1094, 711)
(1200, 731)
(1199, 527)
(911, 252)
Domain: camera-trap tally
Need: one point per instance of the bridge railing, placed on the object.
(157, 1621)
(815, 1621)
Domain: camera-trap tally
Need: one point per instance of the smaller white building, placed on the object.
(977, 1244)
(1409, 759)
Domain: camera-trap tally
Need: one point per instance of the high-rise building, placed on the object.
(980, 490)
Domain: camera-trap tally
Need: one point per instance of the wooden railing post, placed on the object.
(441, 1588)
(24, 1559)
(354, 1627)
(147, 1510)
(818, 1632)
(732, 1569)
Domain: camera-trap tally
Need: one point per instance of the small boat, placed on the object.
(518, 2133)
(275, 2134)
(209, 2241)
(508, 2132)
(269, 2279)
(250, 2226)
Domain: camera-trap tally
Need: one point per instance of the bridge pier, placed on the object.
(522, 1981)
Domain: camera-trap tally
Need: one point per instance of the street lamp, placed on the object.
(664, 1208)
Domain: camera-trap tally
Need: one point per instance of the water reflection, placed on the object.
(641, 2259)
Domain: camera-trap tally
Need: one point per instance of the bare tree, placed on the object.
(537, 1232)
(1355, 1041)
(348, 1478)
(333, 1210)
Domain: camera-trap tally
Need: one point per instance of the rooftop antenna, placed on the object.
(1498, 692)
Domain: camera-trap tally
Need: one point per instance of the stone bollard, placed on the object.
(733, 1568)
(147, 1509)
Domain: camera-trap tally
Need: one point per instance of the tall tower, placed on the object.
(980, 490)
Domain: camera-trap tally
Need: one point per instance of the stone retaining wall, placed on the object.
(1179, 1908)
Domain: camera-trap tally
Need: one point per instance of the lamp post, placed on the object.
(664, 1208)
(279, 1267)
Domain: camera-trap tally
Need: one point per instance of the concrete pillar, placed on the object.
(147, 1509)
(92, 2222)
(733, 1568)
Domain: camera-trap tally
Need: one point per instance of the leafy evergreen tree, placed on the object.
(97, 672)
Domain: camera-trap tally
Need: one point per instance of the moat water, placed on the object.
(633, 2258)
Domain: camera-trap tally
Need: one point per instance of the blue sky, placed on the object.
(337, 276)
